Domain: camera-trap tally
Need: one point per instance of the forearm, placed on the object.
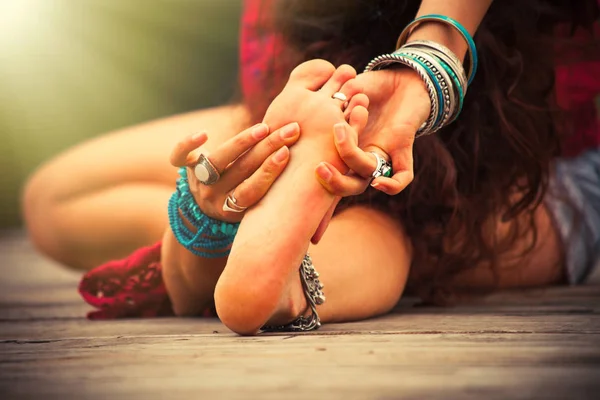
(468, 12)
(190, 279)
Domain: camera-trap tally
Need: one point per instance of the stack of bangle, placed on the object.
(438, 67)
(212, 238)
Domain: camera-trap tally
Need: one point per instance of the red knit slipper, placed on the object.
(128, 288)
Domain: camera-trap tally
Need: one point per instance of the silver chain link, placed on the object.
(313, 291)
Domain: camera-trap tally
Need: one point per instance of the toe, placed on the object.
(351, 88)
(358, 118)
(357, 100)
(342, 74)
(312, 74)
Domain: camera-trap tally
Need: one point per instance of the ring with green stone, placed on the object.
(384, 167)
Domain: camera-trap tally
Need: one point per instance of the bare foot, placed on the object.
(261, 282)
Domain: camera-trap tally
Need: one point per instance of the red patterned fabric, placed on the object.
(132, 287)
(129, 288)
(578, 89)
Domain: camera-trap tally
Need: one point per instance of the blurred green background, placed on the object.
(73, 69)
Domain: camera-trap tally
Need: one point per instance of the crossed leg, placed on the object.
(106, 197)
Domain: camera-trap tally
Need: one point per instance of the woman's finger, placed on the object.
(324, 224)
(395, 184)
(248, 163)
(402, 160)
(338, 184)
(237, 145)
(180, 156)
(346, 143)
(250, 191)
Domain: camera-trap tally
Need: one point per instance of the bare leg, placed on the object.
(542, 266)
(108, 196)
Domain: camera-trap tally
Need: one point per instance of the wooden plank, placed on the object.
(409, 324)
(541, 343)
(348, 366)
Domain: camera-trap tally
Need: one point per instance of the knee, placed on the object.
(38, 208)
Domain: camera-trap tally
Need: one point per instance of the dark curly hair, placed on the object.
(494, 161)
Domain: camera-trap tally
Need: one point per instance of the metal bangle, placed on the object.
(446, 55)
(448, 91)
(452, 67)
(437, 83)
(384, 60)
(313, 291)
(472, 50)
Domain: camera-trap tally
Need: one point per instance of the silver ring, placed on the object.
(205, 171)
(231, 204)
(384, 167)
(340, 96)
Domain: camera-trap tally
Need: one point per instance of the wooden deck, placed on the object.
(541, 344)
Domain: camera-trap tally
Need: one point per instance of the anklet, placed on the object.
(313, 291)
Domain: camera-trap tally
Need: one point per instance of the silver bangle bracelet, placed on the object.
(459, 86)
(448, 91)
(446, 55)
(384, 60)
(410, 27)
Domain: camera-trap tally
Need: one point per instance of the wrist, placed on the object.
(442, 34)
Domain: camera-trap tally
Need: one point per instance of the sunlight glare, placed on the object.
(19, 18)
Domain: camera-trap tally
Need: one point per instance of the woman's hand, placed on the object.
(399, 105)
(248, 165)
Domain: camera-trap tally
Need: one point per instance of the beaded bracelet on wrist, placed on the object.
(212, 238)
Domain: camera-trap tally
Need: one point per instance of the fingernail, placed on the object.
(197, 136)
(290, 131)
(260, 131)
(381, 188)
(340, 132)
(324, 172)
(281, 155)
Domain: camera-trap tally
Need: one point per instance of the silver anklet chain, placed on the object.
(313, 291)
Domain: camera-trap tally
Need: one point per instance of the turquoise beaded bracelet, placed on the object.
(212, 238)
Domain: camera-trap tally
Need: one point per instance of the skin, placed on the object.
(95, 211)
(275, 295)
(248, 164)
